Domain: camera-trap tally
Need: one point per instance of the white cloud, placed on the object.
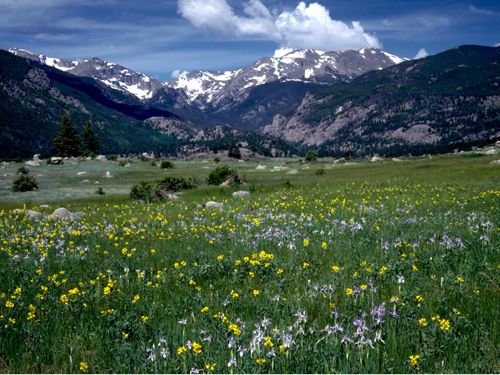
(496, 45)
(307, 26)
(422, 52)
(177, 73)
(485, 12)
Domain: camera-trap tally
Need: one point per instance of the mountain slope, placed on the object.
(113, 75)
(440, 102)
(34, 96)
(222, 89)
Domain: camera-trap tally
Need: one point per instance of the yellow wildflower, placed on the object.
(414, 358)
(445, 325)
(84, 366)
(197, 349)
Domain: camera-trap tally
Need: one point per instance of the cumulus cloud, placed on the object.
(306, 26)
(422, 52)
(177, 73)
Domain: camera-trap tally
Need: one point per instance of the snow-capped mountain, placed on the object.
(113, 75)
(218, 89)
(304, 65)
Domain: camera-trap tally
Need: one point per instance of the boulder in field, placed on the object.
(214, 205)
(63, 213)
(240, 194)
(101, 158)
(56, 160)
(231, 181)
(376, 159)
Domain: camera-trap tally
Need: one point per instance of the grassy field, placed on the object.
(370, 267)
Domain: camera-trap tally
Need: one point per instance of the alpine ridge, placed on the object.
(217, 90)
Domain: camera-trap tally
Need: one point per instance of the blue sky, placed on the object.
(160, 37)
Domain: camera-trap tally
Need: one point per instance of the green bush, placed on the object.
(221, 174)
(100, 191)
(311, 156)
(23, 170)
(173, 184)
(25, 182)
(320, 172)
(143, 191)
(167, 164)
(158, 191)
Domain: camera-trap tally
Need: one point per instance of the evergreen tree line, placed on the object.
(68, 142)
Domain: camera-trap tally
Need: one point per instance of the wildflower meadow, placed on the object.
(337, 272)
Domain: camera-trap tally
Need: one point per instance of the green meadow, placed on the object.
(358, 267)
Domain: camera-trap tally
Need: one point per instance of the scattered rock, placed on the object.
(173, 197)
(63, 213)
(293, 171)
(396, 159)
(278, 168)
(101, 158)
(260, 167)
(376, 159)
(495, 162)
(56, 160)
(491, 151)
(36, 157)
(230, 181)
(86, 182)
(33, 163)
(240, 194)
(213, 204)
(108, 175)
(81, 173)
(44, 206)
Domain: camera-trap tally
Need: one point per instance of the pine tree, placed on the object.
(90, 142)
(67, 140)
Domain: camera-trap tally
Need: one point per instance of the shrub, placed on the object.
(25, 182)
(311, 156)
(216, 160)
(320, 172)
(148, 191)
(23, 170)
(143, 191)
(167, 164)
(124, 162)
(112, 157)
(221, 174)
(172, 184)
(100, 191)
